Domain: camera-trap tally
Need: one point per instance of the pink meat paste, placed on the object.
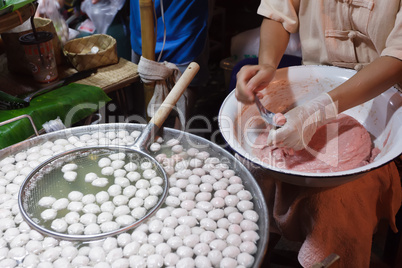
(340, 145)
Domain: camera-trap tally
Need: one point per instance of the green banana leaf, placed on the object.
(70, 103)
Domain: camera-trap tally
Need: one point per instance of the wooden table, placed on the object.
(109, 78)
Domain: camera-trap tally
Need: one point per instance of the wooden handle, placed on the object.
(148, 40)
(175, 94)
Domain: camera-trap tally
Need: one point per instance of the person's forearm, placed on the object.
(369, 82)
(273, 42)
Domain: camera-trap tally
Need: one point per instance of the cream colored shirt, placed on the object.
(344, 33)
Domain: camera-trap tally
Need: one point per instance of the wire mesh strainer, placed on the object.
(49, 179)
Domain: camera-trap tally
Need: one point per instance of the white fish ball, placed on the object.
(138, 212)
(107, 171)
(171, 259)
(188, 204)
(154, 147)
(245, 205)
(235, 217)
(129, 191)
(48, 214)
(46, 201)
(216, 214)
(35, 235)
(31, 260)
(88, 218)
(119, 172)
(118, 164)
(167, 233)
(208, 179)
(69, 252)
(248, 247)
(104, 217)
(90, 177)
(218, 244)
(75, 206)
(216, 173)
(97, 254)
(104, 162)
(130, 167)
(155, 190)
(175, 191)
(205, 205)
(123, 239)
(245, 259)
(131, 248)
(201, 249)
(146, 250)
(191, 240)
(203, 196)
(149, 174)
(231, 200)
(222, 233)
(80, 261)
(218, 202)
(92, 229)
(120, 200)
(135, 202)
(59, 225)
(221, 193)
(102, 197)
(146, 165)
(51, 254)
(227, 262)
(88, 199)
(207, 237)
(244, 195)
(188, 220)
(137, 261)
(251, 236)
(235, 180)
(133, 176)
(123, 182)
(235, 229)
(248, 225)
(186, 196)
(193, 188)
(170, 222)
(72, 217)
(109, 243)
(179, 212)
(76, 229)
(34, 247)
(174, 242)
(150, 201)
(142, 193)
(121, 210)
(125, 220)
(75, 196)
(156, 181)
(69, 167)
(70, 176)
(142, 184)
(100, 182)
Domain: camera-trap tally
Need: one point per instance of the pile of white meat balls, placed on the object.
(207, 220)
(134, 190)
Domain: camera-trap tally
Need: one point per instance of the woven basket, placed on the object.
(78, 51)
(16, 61)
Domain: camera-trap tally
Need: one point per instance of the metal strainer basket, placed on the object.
(49, 180)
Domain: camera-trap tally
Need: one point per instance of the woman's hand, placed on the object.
(251, 79)
(302, 122)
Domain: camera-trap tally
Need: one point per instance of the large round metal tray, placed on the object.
(186, 140)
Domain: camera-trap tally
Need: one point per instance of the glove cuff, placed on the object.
(328, 109)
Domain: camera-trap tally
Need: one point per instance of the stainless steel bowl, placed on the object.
(187, 140)
(381, 116)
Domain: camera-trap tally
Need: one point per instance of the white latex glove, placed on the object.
(302, 122)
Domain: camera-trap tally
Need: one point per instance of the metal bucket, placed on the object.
(186, 140)
(381, 116)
